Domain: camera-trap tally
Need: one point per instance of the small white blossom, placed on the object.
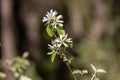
(62, 40)
(25, 78)
(57, 43)
(52, 18)
(53, 47)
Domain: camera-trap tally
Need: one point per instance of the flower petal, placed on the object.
(65, 44)
(49, 53)
(60, 24)
(59, 17)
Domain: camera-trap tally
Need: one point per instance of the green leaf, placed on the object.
(96, 78)
(53, 56)
(70, 44)
(70, 59)
(49, 30)
(59, 30)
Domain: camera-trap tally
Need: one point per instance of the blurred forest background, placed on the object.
(94, 26)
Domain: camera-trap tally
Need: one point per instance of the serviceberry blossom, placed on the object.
(52, 19)
(63, 40)
(25, 78)
(53, 47)
(57, 43)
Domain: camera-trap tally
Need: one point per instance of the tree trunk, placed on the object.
(8, 38)
(30, 18)
(99, 20)
(76, 21)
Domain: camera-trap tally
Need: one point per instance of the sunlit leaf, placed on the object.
(53, 56)
(101, 71)
(93, 67)
(70, 44)
(59, 30)
(49, 30)
(77, 72)
(84, 71)
(70, 59)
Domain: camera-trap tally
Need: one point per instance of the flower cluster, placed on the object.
(54, 28)
(52, 18)
(61, 41)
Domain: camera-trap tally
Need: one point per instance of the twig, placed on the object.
(68, 65)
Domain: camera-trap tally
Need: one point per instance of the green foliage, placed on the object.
(70, 44)
(49, 30)
(53, 56)
(60, 42)
(59, 30)
(18, 66)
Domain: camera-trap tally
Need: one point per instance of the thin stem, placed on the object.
(93, 76)
(82, 76)
(54, 34)
(68, 65)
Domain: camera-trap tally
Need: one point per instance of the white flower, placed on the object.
(24, 78)
(53, 47)
(52, 18)
(63, 40)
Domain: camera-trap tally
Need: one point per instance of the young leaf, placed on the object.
(53, 56)
(84, 71)
(93, 67)
(101, 71)
(70, 59)
(59, 30)
(70, 44)
(49, 30)
(77, 71)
